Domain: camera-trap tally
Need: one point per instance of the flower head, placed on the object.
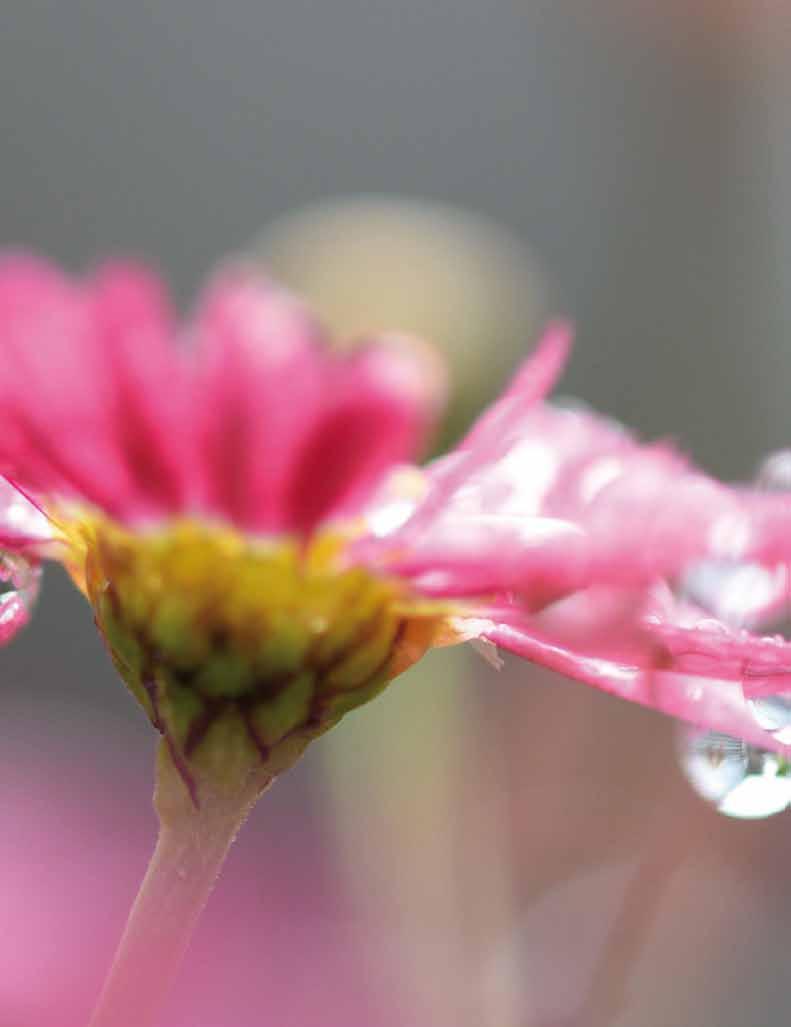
(240, 507)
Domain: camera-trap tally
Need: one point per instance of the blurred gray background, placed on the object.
(643, 155)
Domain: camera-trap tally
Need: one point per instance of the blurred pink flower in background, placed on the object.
(277, 945)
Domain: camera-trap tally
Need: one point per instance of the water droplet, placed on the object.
(733, 592)
(694, 692)
(772, 712)
(739, 780)
(20, 574)
(783, 736)
(774, 474)
(713, 762)
(713, 627)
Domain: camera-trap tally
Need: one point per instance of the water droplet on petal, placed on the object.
(783, 736)
(694, 692)
(20, 573)
(19, 581)
(739, 780)
(772, 712)
(774, 474)
(736, 593)
(714, 627)
(714, 763)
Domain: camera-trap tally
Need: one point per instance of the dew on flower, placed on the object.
(774, 473)
(747, 603)
(738, 779)
(735, 592)
(17, 572)
(19, 585)
(598, 475)
(772, 712)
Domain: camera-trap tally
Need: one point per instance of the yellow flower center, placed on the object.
(243, 649)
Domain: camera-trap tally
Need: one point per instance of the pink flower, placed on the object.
(581, 531)
(240, 508)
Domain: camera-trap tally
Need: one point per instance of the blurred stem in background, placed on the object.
(422, 832)
(663, 851)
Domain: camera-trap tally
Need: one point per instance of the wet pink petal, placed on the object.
(768, 539)
(20, 577)
(499, 428)
(501, 423)
(568, 528)
(25, 536)
(541, 558)
(632, 513)
(741, 594)
(14, 615)
(653, 516)
(717, 705)
(23, 526)
(690, 641)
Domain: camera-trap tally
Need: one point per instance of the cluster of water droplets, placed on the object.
(739, 779)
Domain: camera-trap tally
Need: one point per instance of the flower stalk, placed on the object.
(191, 849)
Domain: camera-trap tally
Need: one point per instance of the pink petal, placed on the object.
(24, 528)
(149, 399)
(765, 530)
(689, 641)
(532, 382)
(501, 427)
(25, 535)
(23, 575)
(541, 558)
(262, 366)
(742, 594)
(380, 404)
(538, 470)
(48, 358)
(654, 516)
(261, 424)
(393, 501)
(639, 512)
(717, 705)
(79, 380)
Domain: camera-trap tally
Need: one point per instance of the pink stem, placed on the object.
(191, 849)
